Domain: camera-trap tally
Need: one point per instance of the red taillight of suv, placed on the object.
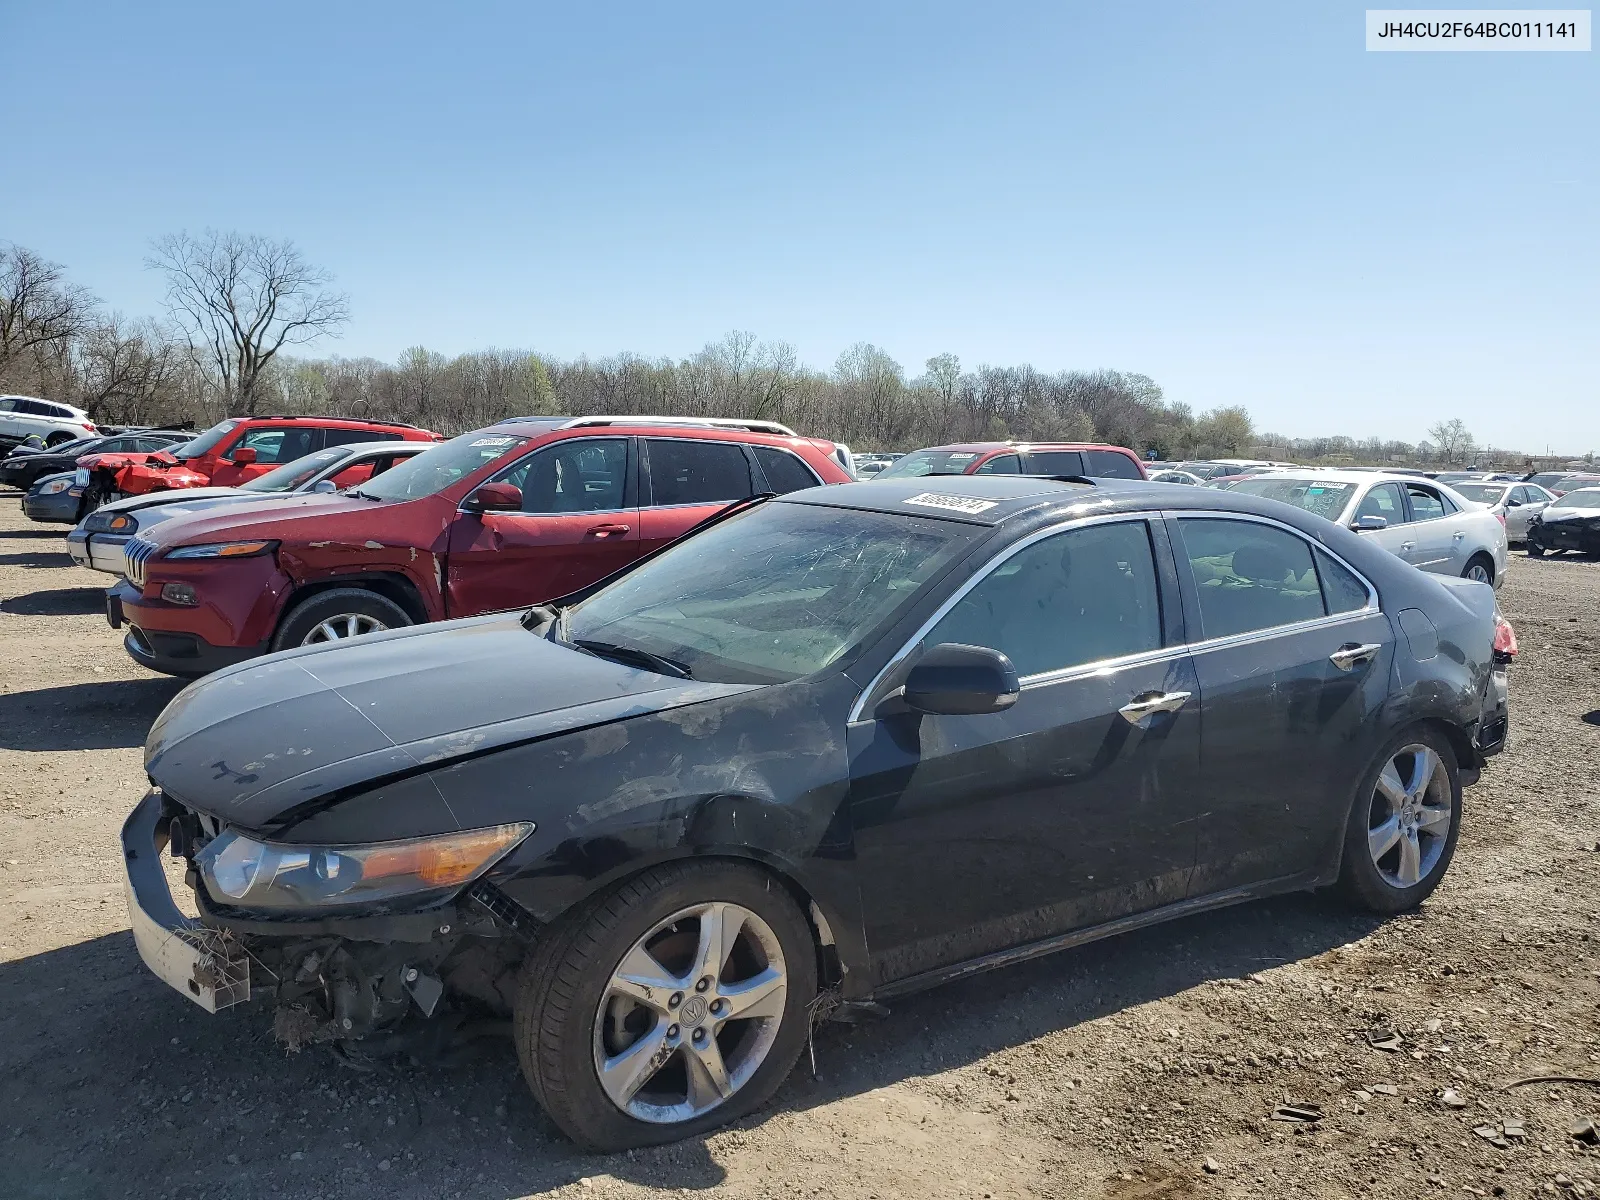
(1505, 640)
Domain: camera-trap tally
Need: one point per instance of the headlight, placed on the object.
(55, 486)
(101, 521)
(222, 550)
(242, 871)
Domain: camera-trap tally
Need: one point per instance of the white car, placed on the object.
(23, 417)
(1516, 504)
(1428, 524)
(1174, 475)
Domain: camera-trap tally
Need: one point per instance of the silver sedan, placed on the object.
(1516, 504)
(1428, 524)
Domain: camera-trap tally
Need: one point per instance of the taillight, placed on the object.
(1505, 640)
(1501, 517)
(89, 427)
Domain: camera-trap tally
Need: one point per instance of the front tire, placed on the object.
(1403, 824)
(1534, 549)
(335, 615)
(674, 1004)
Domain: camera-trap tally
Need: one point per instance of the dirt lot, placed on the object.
(1143, 1067)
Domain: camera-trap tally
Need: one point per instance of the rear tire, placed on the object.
(336, 615)
(58, 439)
(1481, 568)
(571, 1016)
(1395, 853)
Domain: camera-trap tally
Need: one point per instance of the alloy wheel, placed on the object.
(1478, 573)
(345, 625)
(1409, 821)
(690, 1013)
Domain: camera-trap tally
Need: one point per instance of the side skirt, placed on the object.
(1093, 933)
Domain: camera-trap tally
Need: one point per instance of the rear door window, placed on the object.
(685, 472)
(1108, 464)
(784, 471)
(1426, 504)
(1055, 462)
(1077, 597)
(344, 437)
(1249, 576)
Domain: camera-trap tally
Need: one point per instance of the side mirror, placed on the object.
(244, 456)
(1366, 524)
(1513, 503)
(495, 497)
(959, 681)
(324, 487)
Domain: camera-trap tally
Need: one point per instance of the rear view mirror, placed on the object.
(1366, 524)
(956, 680)
(244, 456)
(495, 497)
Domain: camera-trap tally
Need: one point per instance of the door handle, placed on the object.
(1459, 534)
(1408, 545)
(1140, 707)
(1349, 656)
(608, 530)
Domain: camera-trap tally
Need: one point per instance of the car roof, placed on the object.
(759, 432)
(1341, 475)
(980, 447)
(377, 449)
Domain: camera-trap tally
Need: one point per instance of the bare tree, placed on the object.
(123, 370)
(1452, 440)
(240, 299)
(39, 310)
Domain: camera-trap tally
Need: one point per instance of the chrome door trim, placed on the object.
(1108, 666)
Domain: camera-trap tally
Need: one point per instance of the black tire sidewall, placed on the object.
(305, 616)
(1488, 565)
(555, 1040)
(1359, 877)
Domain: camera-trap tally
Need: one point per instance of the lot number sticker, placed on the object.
(960, 504)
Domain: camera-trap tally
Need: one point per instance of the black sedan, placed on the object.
(1570, 522)
(25, 465)
(845, 744)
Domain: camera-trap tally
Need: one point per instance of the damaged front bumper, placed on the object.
(207, 965)
(332, 978)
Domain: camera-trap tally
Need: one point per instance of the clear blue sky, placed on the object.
(1237, 200)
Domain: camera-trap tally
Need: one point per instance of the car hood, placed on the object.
(130, 504)
(263, 515)
(1557, 512)
(265, 738)
(186, 502)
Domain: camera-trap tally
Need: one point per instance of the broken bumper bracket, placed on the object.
(207, 965)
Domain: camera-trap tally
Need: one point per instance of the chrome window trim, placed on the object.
(1108, 666)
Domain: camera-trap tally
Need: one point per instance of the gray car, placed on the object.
(1516, 504)
(98, 541)
(1428, 524)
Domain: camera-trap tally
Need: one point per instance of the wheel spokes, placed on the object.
(1434, 820)
(708, 1074)
(719, 930)
(624, 1074)
(1409, 870)
(1424, 762)
(643, 979)
(1381, 840)
(1390, 786)
(761, 995)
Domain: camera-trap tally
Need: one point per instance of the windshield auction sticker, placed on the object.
(1478, 28)
(961, 504)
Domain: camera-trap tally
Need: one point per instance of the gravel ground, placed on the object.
(1143, 1067)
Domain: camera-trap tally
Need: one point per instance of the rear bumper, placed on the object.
(1494, 720)
(206, 965)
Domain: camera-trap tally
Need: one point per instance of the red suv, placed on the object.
(1088, 459)
(521, 512)
(230, 453)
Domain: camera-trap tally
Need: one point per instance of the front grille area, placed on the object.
(138, 552)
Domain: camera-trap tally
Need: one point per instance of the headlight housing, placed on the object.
(101, 521)
(241, 871)
(55, 486)
(223, 550)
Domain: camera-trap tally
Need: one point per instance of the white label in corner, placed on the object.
(961, 504)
